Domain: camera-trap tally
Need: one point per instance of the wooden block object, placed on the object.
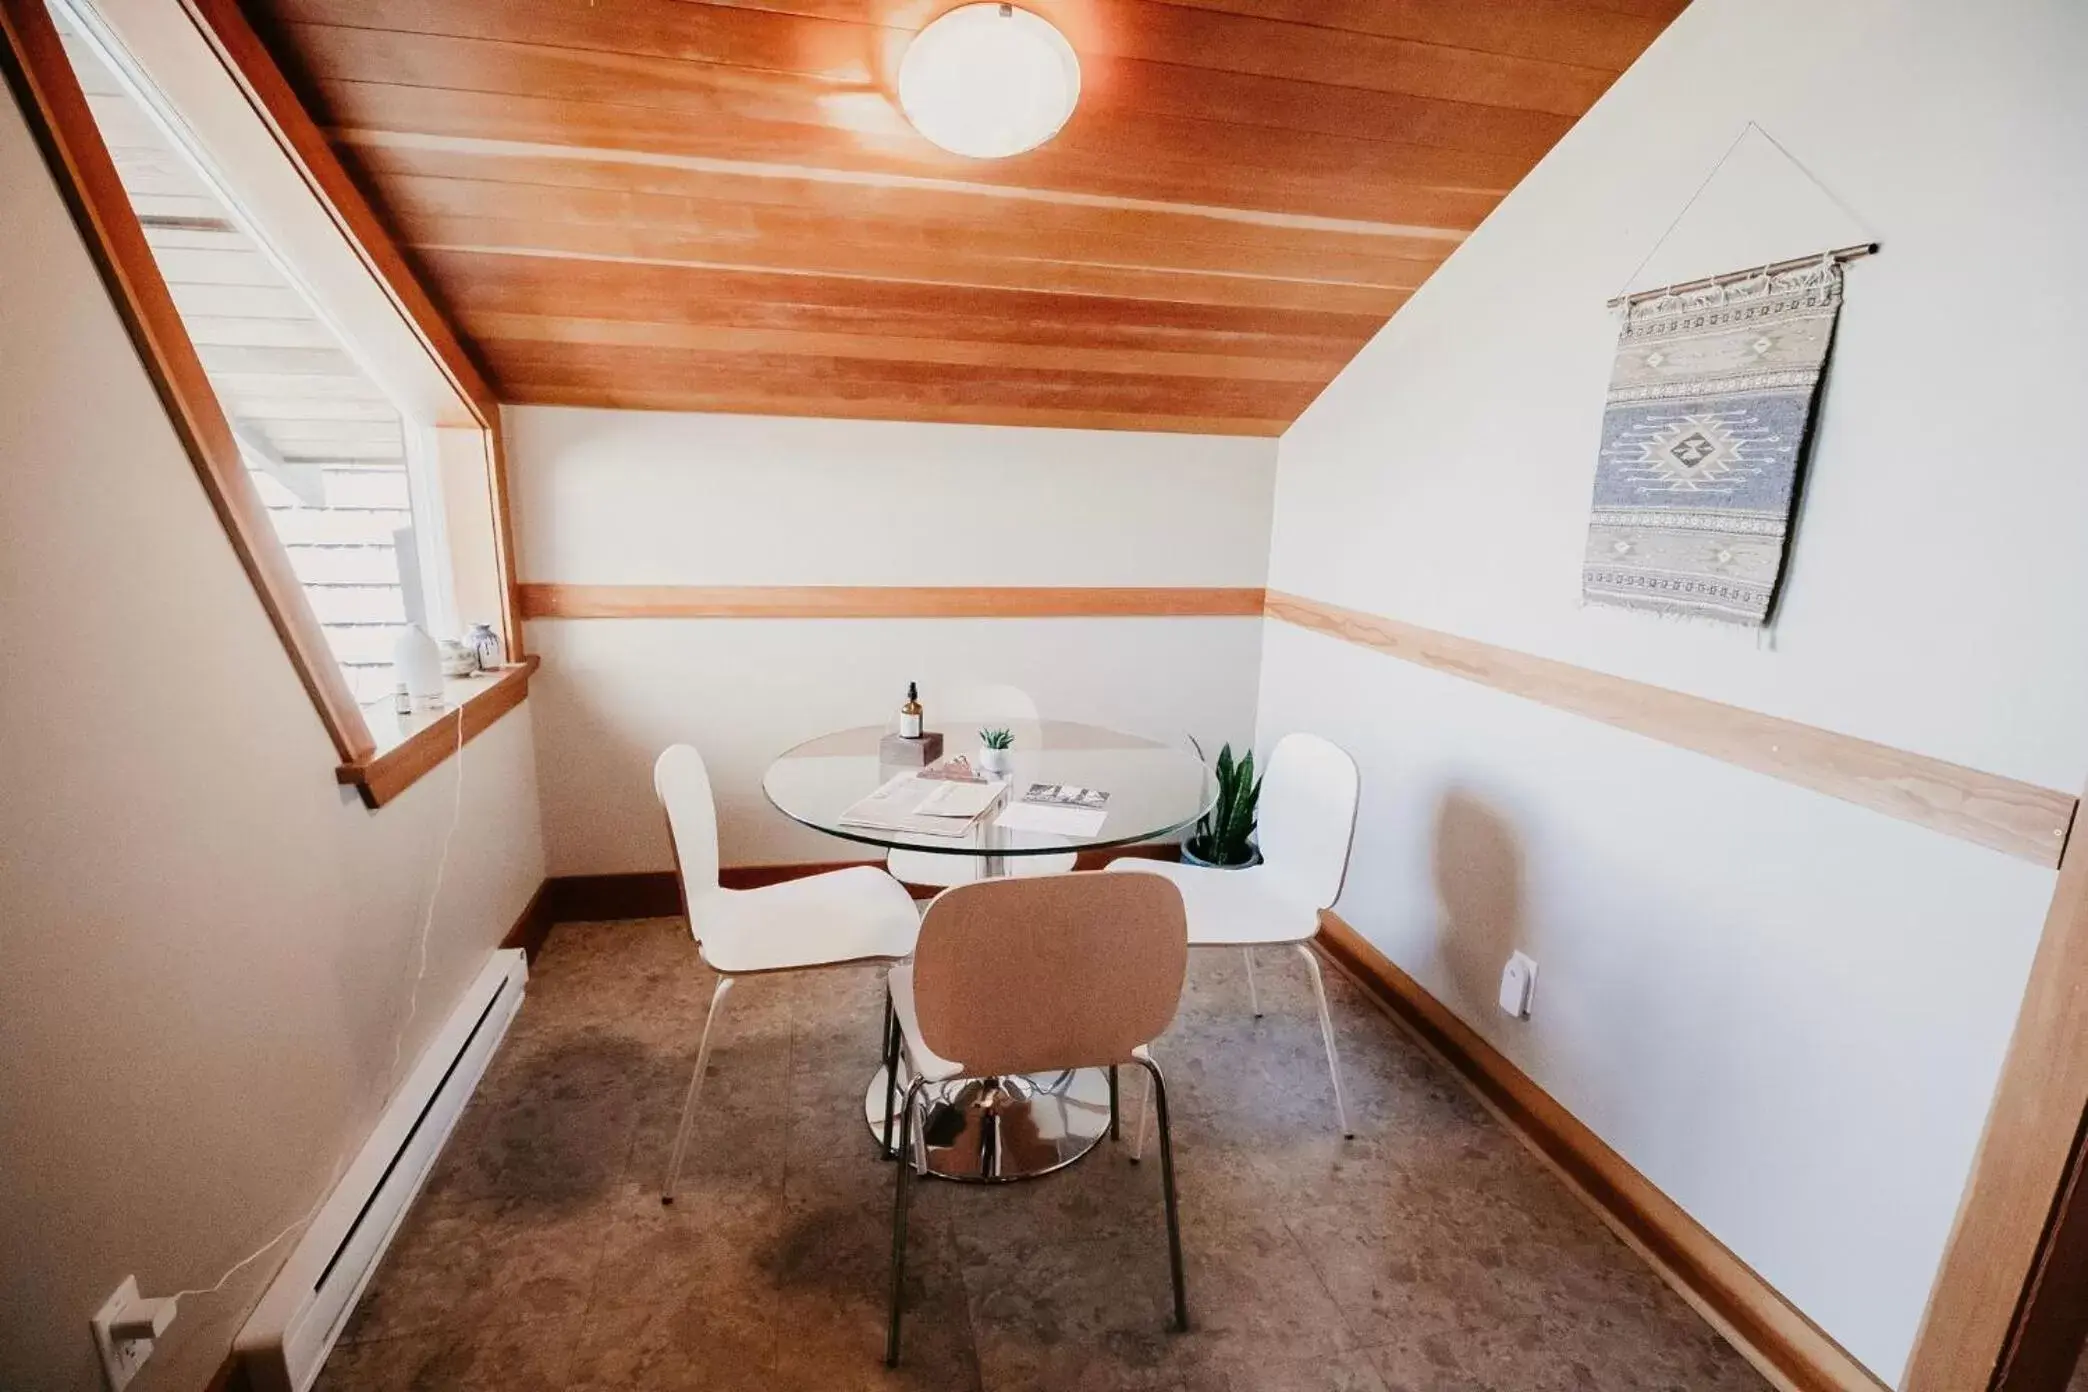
(910, 753)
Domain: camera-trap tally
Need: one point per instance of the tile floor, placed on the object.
(1431, 1253)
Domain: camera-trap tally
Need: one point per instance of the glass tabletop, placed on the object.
(1153, 788)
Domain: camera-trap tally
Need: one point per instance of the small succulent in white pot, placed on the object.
(994, 749)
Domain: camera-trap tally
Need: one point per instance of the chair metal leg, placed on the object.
(1253, 993)
(1167, 1187)
(688, 1116)
(1145, 1099)
(906, 1128)
(891, 1064)
(1319, 990)
(1115, 1130)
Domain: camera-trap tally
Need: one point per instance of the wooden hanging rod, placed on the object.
(1847, 253)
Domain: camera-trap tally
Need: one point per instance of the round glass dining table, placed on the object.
(992, 1129)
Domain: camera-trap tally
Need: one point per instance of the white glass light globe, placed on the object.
(989, 81)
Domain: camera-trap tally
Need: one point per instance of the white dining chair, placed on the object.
(1039, 975)
(841, 917)
(966, 711)
(1306, 824)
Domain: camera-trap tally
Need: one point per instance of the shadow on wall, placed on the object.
(1478, 864)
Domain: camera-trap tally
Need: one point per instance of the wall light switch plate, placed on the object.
(1518, 985)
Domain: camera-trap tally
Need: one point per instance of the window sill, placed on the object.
(410, 747)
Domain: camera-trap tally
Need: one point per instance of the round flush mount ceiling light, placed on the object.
(989, 81)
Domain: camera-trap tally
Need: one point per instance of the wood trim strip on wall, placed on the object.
(2003, 814)
(1998, 1240)
(57, 113)
(1786, 1347)
(269, 92)
(559, 601)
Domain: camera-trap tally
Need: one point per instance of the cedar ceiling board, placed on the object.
(562, 244)
(730, 95)
(951, 384)
(705, 285)
(838, 395)
(868, 53)
(717, 206)
(1235, 99)
(438, 178)
(618, 397)
(466, 212)
(529, 328)
(1220, 178)
(619, 290)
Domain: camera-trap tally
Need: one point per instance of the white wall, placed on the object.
(1787, 1011)
(615, 497)
(207, 947)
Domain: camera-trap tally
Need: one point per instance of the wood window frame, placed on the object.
(40, 74)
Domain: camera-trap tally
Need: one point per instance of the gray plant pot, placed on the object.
(1190, 857)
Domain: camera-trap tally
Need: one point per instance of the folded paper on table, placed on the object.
(922, 806)
(1059, 809)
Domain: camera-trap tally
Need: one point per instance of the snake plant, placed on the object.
(1225, 836)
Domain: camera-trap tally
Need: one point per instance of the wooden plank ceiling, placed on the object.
(661, 203)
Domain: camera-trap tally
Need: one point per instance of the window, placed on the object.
(347, 441)
(327, 450)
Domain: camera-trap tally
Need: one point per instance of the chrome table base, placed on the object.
(991, 1131)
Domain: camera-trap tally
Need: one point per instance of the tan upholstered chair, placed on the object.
(1017, 976)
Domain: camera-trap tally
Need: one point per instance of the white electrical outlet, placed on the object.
(1518, 985)
(125, 1328)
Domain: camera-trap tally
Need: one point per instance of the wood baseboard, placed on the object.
(231, 1376)
(533, 925)
(1787, 1348)
(595, 898)
(657, 894)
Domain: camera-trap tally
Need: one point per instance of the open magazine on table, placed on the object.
(925, 803)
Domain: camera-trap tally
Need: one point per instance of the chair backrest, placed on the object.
(683, 785)
(1046, 972)
(1307, 817)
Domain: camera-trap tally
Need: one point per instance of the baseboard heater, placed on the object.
(287, 1338)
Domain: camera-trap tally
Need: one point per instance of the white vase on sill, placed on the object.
(417, 664)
